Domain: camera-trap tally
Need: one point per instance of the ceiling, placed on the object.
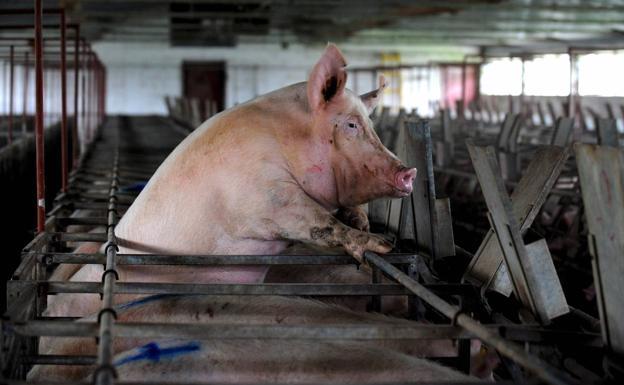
(494, 26)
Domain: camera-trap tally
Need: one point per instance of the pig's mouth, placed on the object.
(397, 192)
(400, 193)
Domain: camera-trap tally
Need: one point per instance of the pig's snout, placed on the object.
(404, 179)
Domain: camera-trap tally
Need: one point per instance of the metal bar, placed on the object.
(40, 162)
(403, 331)
(25, 100)
(11, 75)
(64, 161)
(75, 146)
(79, 237)
(83, 95)
(207, 260)
(574, 83)
(105, 372)
(541, 369)
(48, 359)
(88, 92)
(56, 287)
(27, 11)
(68, 221)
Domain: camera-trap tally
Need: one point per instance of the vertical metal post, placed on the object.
(522, 93)
(25, 101)
(573, 82)
(40, 165)
(11, 73)
(64, 163)
(90, 93)
(103, 93)
(75, 144)
(464, 68)
(83, 93)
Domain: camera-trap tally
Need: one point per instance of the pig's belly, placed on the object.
(207, 274)
(80, 305)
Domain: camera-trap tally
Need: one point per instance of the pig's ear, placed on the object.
(327, 79)
(370, 99)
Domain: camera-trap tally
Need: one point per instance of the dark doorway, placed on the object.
(204, 81)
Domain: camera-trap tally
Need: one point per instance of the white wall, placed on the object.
(141, 75)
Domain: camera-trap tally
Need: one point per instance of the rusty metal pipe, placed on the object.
(75, 145)
(64, 161)
(25, 101)
(40, 162)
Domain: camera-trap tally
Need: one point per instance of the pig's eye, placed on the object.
(351, 128)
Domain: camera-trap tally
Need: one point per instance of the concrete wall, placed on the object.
(141, 75)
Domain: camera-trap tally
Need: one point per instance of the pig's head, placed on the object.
(363, 168)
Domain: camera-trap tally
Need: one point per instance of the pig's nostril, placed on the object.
(405, 178)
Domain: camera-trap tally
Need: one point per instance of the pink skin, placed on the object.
(244, 310)
(255, 178)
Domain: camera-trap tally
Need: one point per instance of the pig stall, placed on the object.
(323, 232)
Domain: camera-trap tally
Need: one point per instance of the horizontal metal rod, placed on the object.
(69, 221)
(227, 289)
(23, 382)
(78, 237)
(153, 259)
(49, 359)
(333, 289)
(414, 331)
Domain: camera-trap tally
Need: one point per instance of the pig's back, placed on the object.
(276, 361)
(190, 204)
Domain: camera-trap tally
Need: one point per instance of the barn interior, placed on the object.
(512, 239)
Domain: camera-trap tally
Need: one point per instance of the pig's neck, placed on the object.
(316, 176)
(307, 151)
(311, 166)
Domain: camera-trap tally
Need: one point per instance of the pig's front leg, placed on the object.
(303, 219)
(354, 217)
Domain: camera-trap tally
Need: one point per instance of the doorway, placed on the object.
(204, 81)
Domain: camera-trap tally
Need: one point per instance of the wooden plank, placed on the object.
(601, 173)
(407, 222)
(503, 221)
(542, 276)
(514, 134)
(420, 155)
(445, 245)
(445, 125)
(606, 129)
(563, 132)
(503, 135)
(487, 267)
(378, 214)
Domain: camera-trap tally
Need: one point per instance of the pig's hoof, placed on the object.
(360, 242)
(354, 217)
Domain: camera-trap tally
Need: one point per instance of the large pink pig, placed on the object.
(253, 179)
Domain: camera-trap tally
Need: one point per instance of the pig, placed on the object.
(294, 165)
(268, 172)
(278, 362)
(228, 310)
